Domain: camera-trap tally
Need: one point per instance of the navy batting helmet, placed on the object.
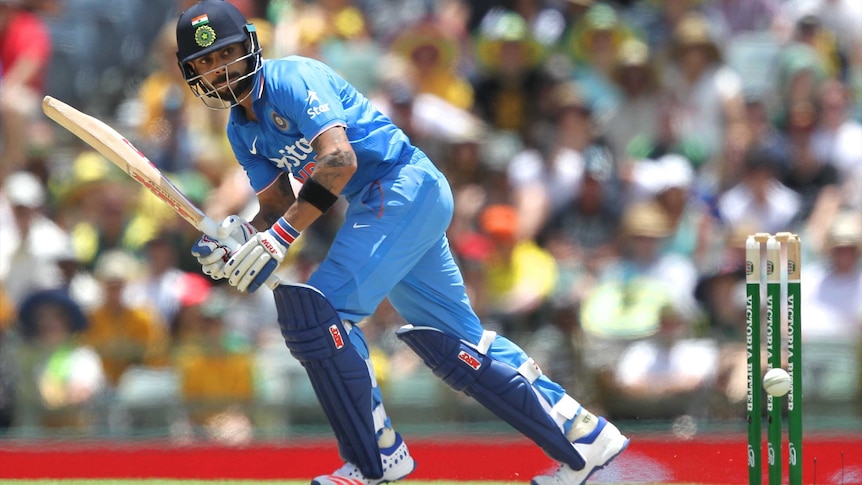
(209, 26)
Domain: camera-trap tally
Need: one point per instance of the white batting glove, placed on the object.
(213, 254)
(254, 262)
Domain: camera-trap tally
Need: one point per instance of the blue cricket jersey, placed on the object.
(393, 241)
(296, 99)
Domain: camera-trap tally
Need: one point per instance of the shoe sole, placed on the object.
(402, 477)
(608, 462)
(599, 467)
(338, 480)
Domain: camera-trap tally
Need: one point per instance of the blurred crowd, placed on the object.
(608, 160)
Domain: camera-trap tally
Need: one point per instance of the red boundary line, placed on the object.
(707, 460)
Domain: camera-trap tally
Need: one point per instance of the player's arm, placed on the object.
(335, 165)
(252, 264)
(274, 201)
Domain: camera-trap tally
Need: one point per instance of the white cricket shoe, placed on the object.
(598, 448)
(397, 464)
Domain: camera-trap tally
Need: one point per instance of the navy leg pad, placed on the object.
(497, 386)
(316, 337)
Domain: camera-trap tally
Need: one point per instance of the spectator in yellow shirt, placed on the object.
(216, 369)
(520, 276)
(433, 56)
(123, 335)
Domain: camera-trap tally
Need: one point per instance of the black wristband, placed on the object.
(317, 195)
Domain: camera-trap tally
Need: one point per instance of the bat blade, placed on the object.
(122, 153)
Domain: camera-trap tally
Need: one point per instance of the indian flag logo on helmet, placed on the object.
(200, 20)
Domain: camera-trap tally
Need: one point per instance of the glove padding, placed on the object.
(250, 266)
(213, 254)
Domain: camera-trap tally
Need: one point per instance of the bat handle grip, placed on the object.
(215, 231)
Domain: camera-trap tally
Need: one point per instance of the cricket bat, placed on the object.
(120, 151)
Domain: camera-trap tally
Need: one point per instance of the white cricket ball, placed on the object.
(776, 381)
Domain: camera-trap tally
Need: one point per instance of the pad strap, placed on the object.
(530, 370)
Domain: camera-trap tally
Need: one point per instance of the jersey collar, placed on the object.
(257, 93)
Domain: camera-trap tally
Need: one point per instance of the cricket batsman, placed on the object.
(296, 115)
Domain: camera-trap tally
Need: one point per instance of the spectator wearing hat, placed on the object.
(509, 76)
(32, 244)
(832, 315)
(632, 294)
(60, 378)
(593, 47)
(799, 73)
(633, 291)
(670, 181)
(545, 178)
(656, 20)
(637, 289)
(832, 288)
(123, 335)
(705, 93)
(433, 56)
(632, 128)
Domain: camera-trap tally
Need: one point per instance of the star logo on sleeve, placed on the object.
(312, 97)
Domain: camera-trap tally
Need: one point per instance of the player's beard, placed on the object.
(235, 88)
(232, 91)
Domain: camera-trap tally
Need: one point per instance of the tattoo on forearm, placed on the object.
(327, 171)
(338, 159)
